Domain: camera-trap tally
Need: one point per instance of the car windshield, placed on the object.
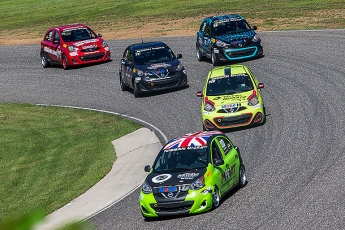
(77, 34)
(229, 26)
(190, 158)
(231, 84)
(153, 55)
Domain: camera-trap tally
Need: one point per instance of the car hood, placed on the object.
(230, 98)
(87, 44)
(174, 177)
(170, 65)
(236, 36)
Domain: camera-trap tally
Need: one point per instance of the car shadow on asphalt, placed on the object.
(160, 92)
(59, 66)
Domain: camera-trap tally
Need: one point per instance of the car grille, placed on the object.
(232, 110)
(236, 120)
(241, 52)
(91, 57)
(172, 206)
(93, 49)
(164, 84)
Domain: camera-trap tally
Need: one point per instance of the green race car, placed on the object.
(231, 98)
(191, 174)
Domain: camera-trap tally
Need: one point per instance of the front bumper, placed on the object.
(80, 58)
(177, 80)
(224, 54)
(214, 120)
(195, 202)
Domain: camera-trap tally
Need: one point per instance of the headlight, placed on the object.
(198, 184)
(256, 38)
(146, 188)
(220, 43)
(179, 67)
(141, 73)
(72, 48)
(253, 100)
(104, 44)
(209, 107)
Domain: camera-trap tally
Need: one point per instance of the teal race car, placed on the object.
(191, 174)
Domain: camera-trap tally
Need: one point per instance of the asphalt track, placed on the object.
(295, 162)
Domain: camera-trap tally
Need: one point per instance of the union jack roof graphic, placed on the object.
(191, 139)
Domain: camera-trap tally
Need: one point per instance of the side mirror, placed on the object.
(99, 35)
(178, 56)
(255, 27)
(199, 94)
(261, 85)
(219, 162)
(147, 168)
(237, 149)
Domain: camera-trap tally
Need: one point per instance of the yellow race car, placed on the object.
(231, 98)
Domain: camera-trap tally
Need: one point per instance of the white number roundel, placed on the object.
(161, 178)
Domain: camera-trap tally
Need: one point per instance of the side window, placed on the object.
(127, 55)
(225, 145)
(130, 56)
(56, 37)
(216, 154)
(207, 29)
(49, 36)
(202, 26)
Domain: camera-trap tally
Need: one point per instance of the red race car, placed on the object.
(72, 45)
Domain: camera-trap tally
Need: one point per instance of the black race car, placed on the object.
(227, 38)
(151, 66)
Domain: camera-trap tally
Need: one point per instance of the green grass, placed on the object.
(50, 155)
(35, 16)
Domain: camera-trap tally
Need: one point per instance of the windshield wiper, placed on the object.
(182, 169)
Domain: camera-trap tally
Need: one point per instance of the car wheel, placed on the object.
(260, 52)
(122, 84)
(243, 178)
(65, 63)
(198, 54)
(44, 60)
(215, 198)
(214, 59)
(135, 90)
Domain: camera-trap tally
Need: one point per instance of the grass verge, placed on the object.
(50, 155)
(30, 19)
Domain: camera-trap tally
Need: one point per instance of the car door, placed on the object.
(231, 161)
(217, 155)
(55, 47)
(46, 45)
(126, 66)
(204, 39)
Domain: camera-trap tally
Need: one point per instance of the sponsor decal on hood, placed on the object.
(174, 177)
(85, 42)
(236, 36)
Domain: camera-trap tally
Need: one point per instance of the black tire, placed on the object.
(260, 52)
(214, 59)
(215, 198)
(135, 90)
(123, 86)
(44, 60)
(199, 56)
(65, 64)
(242, 177)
